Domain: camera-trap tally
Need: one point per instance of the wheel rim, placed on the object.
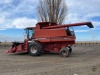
(33, 49)
(64, 53)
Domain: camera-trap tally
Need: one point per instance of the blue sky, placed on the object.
(18, 14)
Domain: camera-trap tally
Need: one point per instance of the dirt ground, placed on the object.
(84, 60)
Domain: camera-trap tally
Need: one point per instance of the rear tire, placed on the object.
(35, 49)
(64, 52)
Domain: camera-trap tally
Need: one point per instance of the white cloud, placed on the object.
(19, 23)
(96, 23)
(83, 10)
(4, 23)
(23, 23)
(17, 13)
(2, 20)
(7, 1)
(73, 18)
(81, 30)
(26, 7)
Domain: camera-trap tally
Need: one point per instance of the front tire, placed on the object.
(35, 49)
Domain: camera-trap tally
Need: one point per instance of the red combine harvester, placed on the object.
(48, 37)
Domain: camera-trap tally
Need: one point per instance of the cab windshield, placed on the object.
(29, 33)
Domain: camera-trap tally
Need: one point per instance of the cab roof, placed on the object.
(30, 28)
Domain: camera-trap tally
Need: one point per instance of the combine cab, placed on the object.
(48, 37)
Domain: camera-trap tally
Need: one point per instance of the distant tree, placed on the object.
(52, 11)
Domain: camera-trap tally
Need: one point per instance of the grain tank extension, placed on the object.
(48, 37)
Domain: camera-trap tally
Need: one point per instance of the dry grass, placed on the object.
(5, 44)
(87, 43)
